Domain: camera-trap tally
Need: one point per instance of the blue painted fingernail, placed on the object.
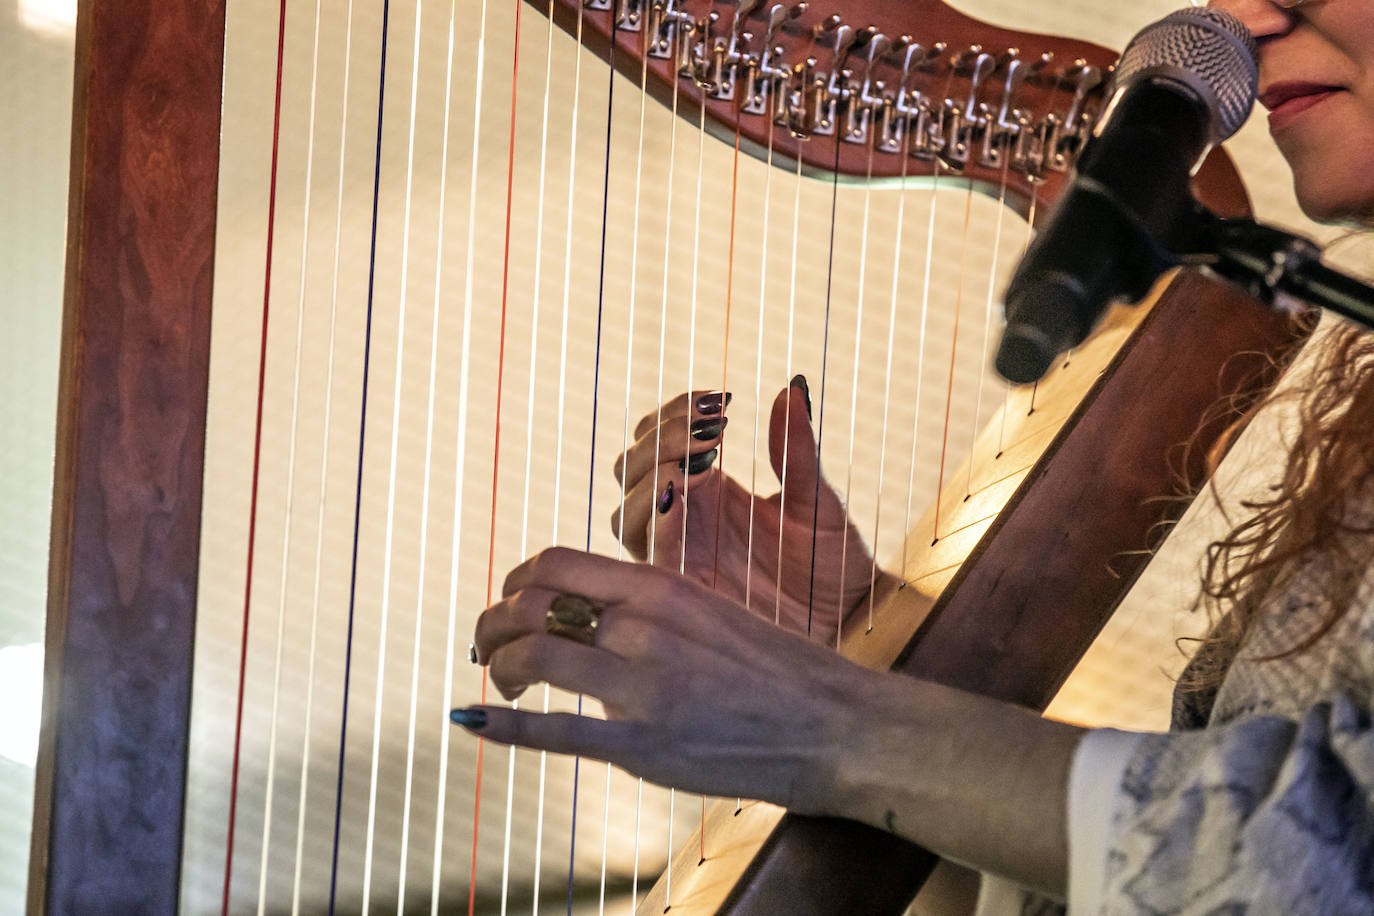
(699, 462)
(472, 717)
(665, 502)
(799, 381)
(713, 402)
(708, 428)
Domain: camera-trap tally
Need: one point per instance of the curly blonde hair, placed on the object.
(1330, 458)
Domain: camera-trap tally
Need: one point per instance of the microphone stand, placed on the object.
(1275, 267)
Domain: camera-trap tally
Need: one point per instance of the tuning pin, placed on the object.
(965, 57)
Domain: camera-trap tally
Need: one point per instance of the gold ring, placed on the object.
(573, 617)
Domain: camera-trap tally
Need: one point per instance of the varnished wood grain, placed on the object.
(929, 23)
(126, 516)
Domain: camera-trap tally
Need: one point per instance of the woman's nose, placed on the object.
(1264, 18)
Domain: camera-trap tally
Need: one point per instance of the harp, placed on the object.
(109, 816)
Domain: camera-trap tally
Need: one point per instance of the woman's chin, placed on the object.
(1333, 189)
(1325, 203)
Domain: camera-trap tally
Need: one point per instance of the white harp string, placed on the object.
(625, 433)
(426, 487)
(452, 622)
(853, 396)
(787, 404)
(658, 400)
(460, 453)
(887, 382)
(561, 413)
(758, 363)
(303, 793)
(988, 322)
(392, 460)
(290, 487)
(535, 298)
(921, 356)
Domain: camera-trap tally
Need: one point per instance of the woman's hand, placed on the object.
(793, 557)
(747, 708)
(702, 696)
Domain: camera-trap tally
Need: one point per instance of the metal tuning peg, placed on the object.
(807, 95)
(1078, 122)
(968, 120)
(871, 96)
(1003, 131)
(665, 26)
(629, 15)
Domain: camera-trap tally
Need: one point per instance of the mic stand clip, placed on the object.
(1281, 269)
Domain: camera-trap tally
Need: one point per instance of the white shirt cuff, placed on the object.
(1094, 779)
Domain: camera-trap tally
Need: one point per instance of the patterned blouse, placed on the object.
(1261, 800)
(1270, 807)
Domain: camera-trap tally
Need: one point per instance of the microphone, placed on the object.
(1183, 84)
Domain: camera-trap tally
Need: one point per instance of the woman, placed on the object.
(1269, 807)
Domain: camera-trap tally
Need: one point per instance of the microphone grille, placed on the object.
(1208, 50)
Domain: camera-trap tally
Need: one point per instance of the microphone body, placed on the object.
(1184, 83)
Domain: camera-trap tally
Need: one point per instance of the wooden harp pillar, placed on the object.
(126, 504)
(131, 436)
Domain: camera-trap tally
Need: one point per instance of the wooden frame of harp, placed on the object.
(135, 364)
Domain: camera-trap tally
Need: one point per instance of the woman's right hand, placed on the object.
(793, 557)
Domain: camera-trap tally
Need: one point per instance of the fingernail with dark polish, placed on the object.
(665, 502)
(472, 653)
(699, 462)
(469, 718)
(708, 428)
(713, 402)
(799, 381)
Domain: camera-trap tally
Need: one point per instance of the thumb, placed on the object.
(792, 443)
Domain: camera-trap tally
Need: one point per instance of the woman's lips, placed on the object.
(1287, 101)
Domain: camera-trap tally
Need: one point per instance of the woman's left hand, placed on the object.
(699, 693)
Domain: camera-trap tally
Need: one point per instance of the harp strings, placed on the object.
(756, 433)
(724, 386)
(625, 430)
(297, 363)
(854, 389)
(854, 256)
(825, 367)
(953, 355)
(257, 457)
(525, 504)
(787, 407)
(887, 372)
(1006, 399)
(451, 623)
(496, 443)
(328, 417)
(560, 414)
(988, 320)
(596, 390)
(658, 439)
(393, 458)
